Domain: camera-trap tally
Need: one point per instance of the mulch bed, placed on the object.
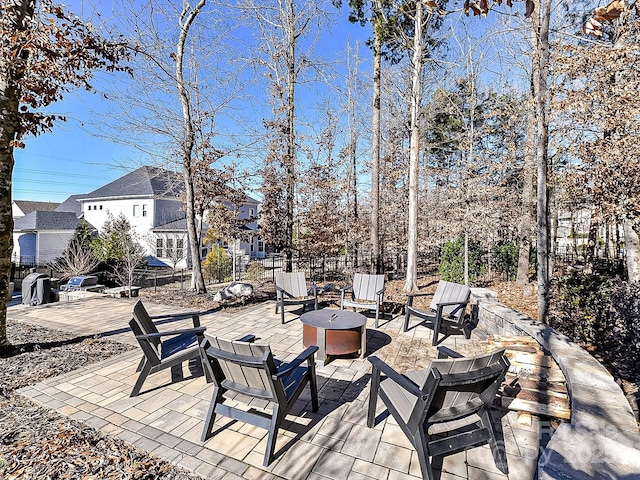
(38, 443)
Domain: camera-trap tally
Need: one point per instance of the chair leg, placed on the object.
(407, 315)
(313, 385)
(141, 378)
(216, 397)
(421, 442)
(141, 364)
(282, 313)
(273, 433)
(373, 397)
(377, 314)
(497, 449)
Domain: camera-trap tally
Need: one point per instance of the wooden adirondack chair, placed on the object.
(249, 369)
(447, 309)
(179, 345)
(366, 292)
(291, 289)
(443, 409)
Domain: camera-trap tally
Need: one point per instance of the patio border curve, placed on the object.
(602, 439)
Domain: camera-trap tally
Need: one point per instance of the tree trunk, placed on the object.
(290, 178)
(186, 19)
(375, 153)
(590, 251)
(528, 204)
(19, 12)
(414, 154)
(540, 78)
(632, 249)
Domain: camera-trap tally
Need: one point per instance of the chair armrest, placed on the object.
(448, 304)
(314, 290)
(347, 288)
(418, 294)
(400, 380)
(446, 352)
(249, 338)
(195, 330)
(287, 368)
(380, 292)
(195, 317)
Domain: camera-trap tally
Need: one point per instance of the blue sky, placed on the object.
(72, 161)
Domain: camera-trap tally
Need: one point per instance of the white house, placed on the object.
(150, 199)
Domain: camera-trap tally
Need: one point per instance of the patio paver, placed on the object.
(167, 418)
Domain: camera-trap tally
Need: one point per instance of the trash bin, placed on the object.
(36, 289)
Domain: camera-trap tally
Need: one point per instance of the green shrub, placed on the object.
(218, 265)
(255, 271)
(505, 258)
(451, 266)
(603, 314)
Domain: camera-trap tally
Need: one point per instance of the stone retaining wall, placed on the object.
(602, 439)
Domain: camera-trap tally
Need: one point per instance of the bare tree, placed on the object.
(76, 259)
(286, 35)
(184, 81)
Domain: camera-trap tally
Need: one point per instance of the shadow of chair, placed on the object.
(291, 289)
(250, 370)
(443, 409)
(177, 347)
(446, 311)
(366, 292)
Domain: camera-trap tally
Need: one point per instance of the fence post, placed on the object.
(155, 281)
(273, 269)
(182, 279)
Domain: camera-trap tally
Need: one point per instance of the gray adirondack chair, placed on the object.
(446, 311)
(366, 292)
(168, 349)
(249, 369)
(443, 409)
(291, 289)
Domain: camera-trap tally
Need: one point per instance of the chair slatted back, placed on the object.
(365, 286)
(141, 324)
(466, 384)
(451, 292)
(244, 367)
(295, 284)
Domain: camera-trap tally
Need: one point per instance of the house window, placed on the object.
(179, 247)
(260, 246)
(136, 210)
(204, 253)
(100, 207)
(169, 247)
(251, 212)
(144, 210)
(159, 247)
(251, 244)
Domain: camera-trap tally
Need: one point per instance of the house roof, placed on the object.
(144, 182)
(28, 206)
(71, 204)
(43, 220)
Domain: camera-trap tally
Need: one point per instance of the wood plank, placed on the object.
(531, 359)
(536, 408)
(537, 396)
(535, 384)
(552, 374)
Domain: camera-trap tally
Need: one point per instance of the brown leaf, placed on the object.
(466, 8)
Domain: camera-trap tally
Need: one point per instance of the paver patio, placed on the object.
(167, 418)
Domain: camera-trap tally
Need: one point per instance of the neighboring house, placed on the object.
(20, 208)
(40, 237)
(150, 199)
(71, 204)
